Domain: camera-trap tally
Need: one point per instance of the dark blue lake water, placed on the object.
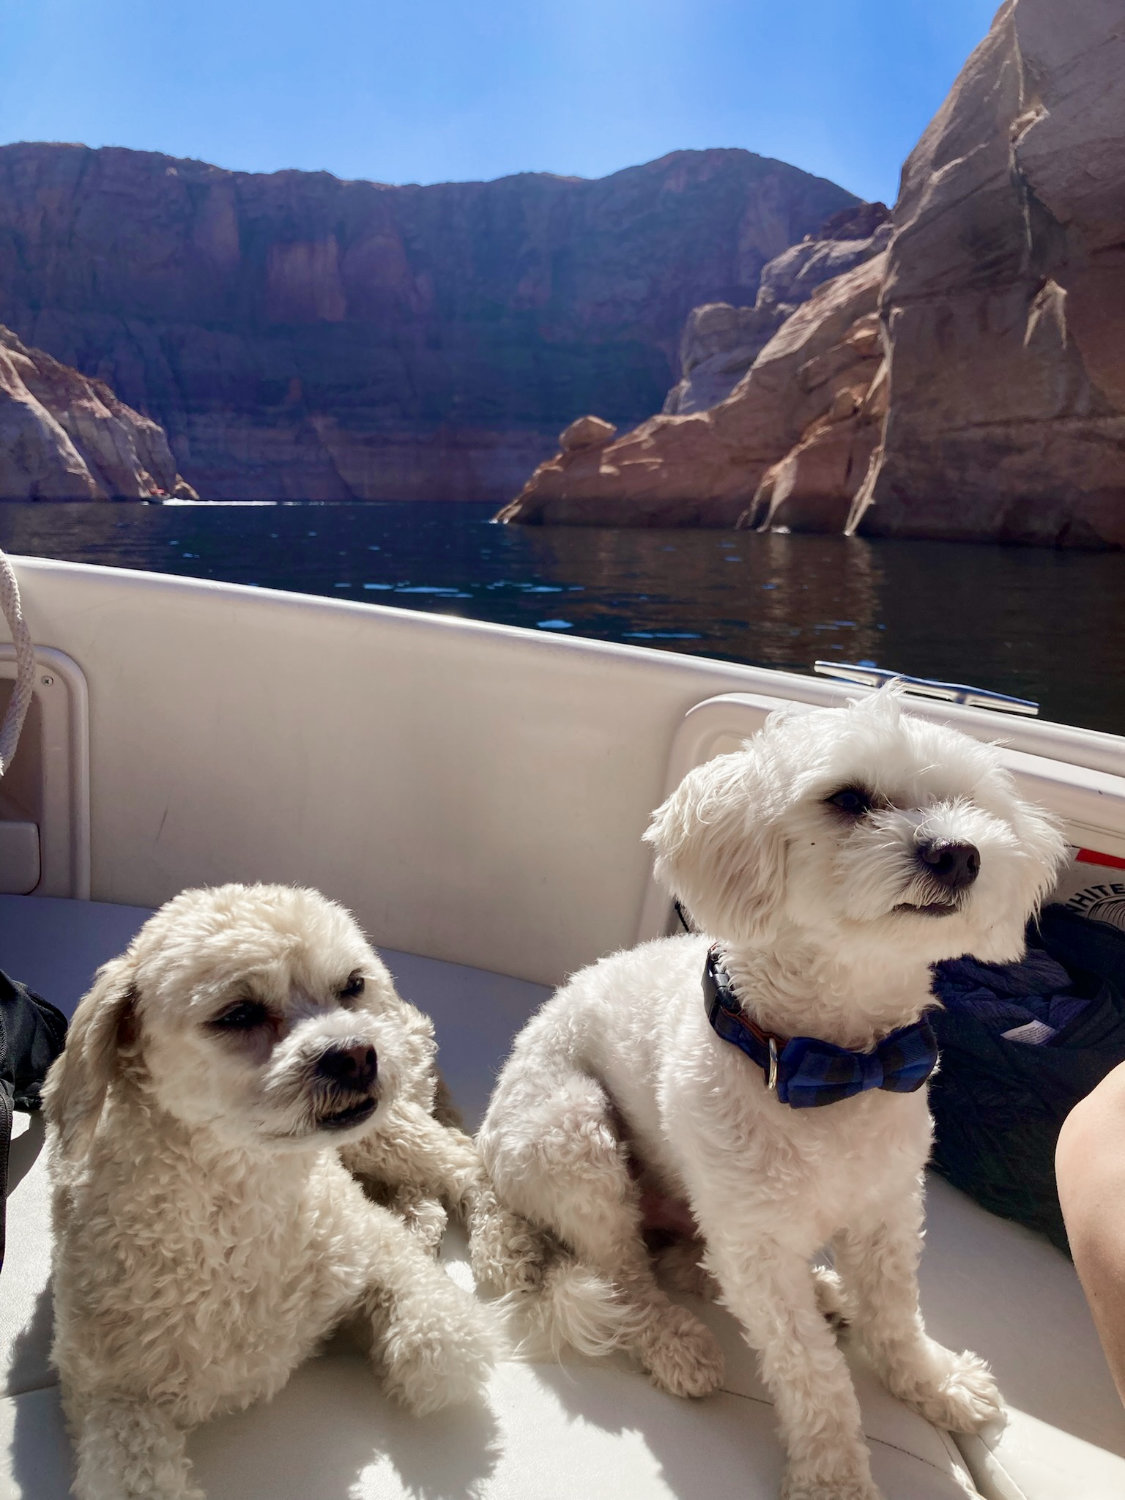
(1032, 622)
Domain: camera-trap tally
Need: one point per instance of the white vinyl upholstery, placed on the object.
(1008, 1293)
(583, 1430)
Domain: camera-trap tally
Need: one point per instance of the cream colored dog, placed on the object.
(829, 863)
(207, 1235)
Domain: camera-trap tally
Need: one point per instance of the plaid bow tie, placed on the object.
(805, 1072)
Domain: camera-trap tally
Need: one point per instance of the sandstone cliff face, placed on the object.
(299, 336)
(721, 342)
(705, 469)
(63, 437)
(998, 411)
(1004, 303)
(845, 240)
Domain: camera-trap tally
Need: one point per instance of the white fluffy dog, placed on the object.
(829, 862)
(207, 1235)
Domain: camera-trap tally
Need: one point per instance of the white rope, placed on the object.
(25, 664)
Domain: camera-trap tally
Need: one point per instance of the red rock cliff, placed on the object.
(299, 336)
(63, 437)
(967, 382)
(1004, 301)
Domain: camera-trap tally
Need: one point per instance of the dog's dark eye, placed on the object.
(354, 987)
(853, 800)
(247, 1015)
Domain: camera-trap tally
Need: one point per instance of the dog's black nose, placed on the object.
(350, 1063)
(952, 865)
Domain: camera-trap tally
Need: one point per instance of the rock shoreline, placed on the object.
(963, 379)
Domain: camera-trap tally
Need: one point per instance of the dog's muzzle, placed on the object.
(947, 869)
(346, 1068)
(951, 865)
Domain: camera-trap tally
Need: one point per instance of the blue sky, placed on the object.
(447, 90)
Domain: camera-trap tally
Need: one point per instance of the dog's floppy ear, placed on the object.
(76, 1085)
(719, 849)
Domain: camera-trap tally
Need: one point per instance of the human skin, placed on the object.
(1090, 1171)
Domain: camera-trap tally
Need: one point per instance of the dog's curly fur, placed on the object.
(208, 1236)
(819, 857)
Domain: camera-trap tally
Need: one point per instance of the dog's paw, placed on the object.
(680, 1353)
(426, 1219)
(440, 1354)
(962, 1398)
(130, 1450)
(507, 1254)
(831, 1298)
(853, 1487)
(840, 1472)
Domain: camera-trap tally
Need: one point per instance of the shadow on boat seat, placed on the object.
(587, 1430)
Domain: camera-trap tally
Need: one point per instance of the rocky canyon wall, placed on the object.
(963, 379)
(302, 337)
(1004, 301)
(63, 437)
(790, 443)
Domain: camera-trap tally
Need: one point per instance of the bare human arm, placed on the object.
(1090, 1172)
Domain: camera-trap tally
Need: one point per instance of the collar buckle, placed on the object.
(771, 1081)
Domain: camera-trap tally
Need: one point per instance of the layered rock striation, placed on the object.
(721, 342)
(1004, 301)
(302, 337)
(964, 378)
(790, 445)
(64, 437)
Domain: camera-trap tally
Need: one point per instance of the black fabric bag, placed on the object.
(32, 1032)
(998, 1104)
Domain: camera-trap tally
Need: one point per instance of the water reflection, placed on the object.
(1031, 622)
(769, 599)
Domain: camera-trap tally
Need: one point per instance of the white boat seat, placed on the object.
(584, 1430)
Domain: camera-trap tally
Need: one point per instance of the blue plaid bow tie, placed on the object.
(805, 1072)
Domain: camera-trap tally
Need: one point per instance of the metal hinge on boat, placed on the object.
(926, 687)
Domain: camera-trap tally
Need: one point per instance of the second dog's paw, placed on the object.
(831, 1297)
(507, 1254)
(964, 1398)
(851, 1481)
(846, 1489)
(681, 1354)
(441, 1357)
(427, 1220)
